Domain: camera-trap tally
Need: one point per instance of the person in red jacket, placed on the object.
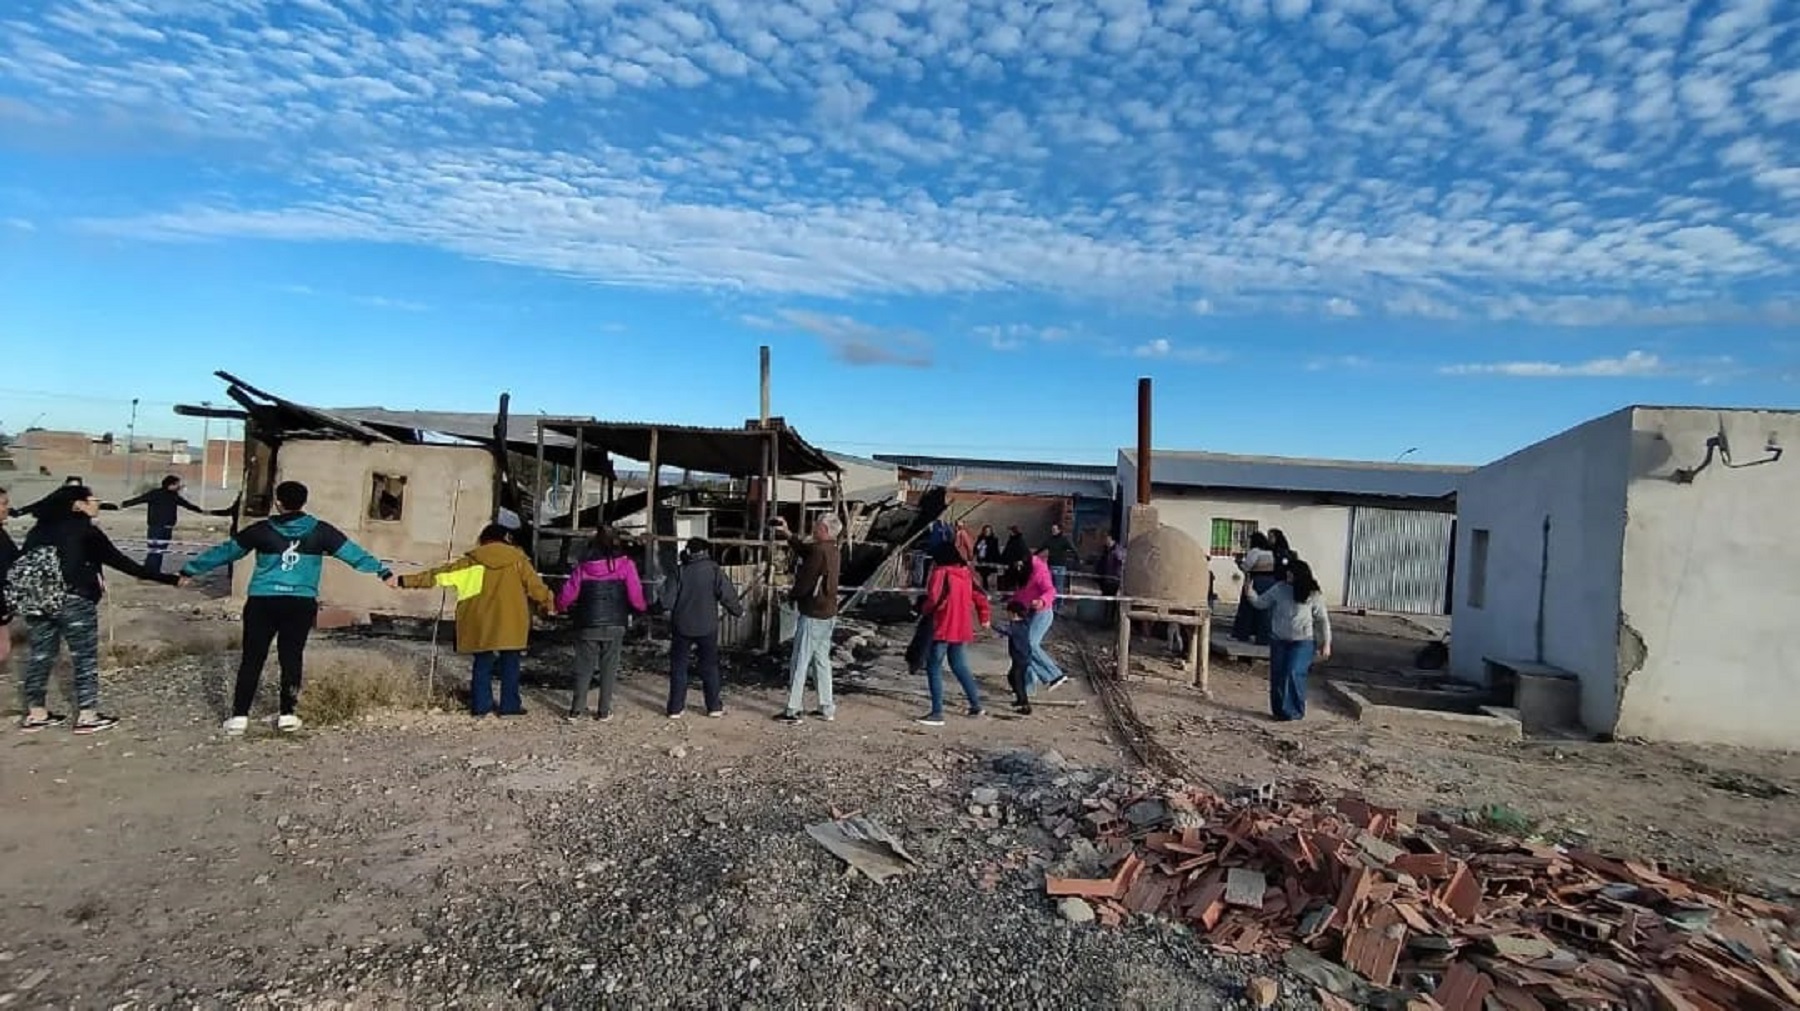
(956, 610)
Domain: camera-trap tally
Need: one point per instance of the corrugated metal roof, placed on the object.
(1001, 484)
(1325, 477)
(1017, 468)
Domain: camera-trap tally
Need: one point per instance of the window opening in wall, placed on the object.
(387, 497)
(1231, 537)
(1478, 566)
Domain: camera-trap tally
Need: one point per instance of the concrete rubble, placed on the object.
(1391, 908)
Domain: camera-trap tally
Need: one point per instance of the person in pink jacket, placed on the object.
(601, 595)
(1037, 597)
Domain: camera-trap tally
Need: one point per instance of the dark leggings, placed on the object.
(284, 622)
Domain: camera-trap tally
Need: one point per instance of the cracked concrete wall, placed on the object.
(1579, 480)
(1711, 583)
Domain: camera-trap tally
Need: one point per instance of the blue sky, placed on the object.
(1326, 227)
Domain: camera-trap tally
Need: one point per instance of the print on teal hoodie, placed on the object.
(290, 555)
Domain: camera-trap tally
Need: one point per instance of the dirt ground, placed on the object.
(425, 859)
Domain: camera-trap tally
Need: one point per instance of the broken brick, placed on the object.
(1462, 894)
(1464, 988)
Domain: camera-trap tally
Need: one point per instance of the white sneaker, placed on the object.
(236, 726)
(288, 724)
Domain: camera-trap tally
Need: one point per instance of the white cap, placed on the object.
(508, 519)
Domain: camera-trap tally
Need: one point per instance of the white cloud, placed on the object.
(1164, 349)
(1522, 162)
(1633, 365)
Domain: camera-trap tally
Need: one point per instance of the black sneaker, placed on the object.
(930, 720)
(787, 717)
(95, 724)
(1022, 708)
(31, 726)
(820, 714)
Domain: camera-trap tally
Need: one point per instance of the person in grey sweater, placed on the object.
(1300, 627)
(693, 596)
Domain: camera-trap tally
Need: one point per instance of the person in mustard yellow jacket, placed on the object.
(496, 587)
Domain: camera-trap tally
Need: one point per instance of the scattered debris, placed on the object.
(1382, 907)
(1262, 991)
(1075, 911)
(865, 846)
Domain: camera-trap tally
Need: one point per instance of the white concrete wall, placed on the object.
(859, 481)
(1321, 534)
(1578, 480)
(1711, 583)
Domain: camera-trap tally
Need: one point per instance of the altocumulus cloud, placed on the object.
(1570, 163)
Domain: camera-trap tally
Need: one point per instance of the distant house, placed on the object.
(1378, 535)
(1651, 554)
(1031, 496)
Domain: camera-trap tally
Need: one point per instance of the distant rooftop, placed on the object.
(1177, 469)
(1024, 468)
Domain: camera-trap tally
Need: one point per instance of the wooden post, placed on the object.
(774, 499)
(537, 491)
(1124, 647)
(652, 558)
(1191, 662)
(1203, 677)
(502, 455)
(579, 499)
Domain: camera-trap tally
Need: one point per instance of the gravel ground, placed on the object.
(431, 860)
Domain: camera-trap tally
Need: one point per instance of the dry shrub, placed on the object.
(344, 685)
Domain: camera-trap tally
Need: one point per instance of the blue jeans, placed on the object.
(481, 685)
(812, 654)
(1043, 670)
(959, 664)
(681, 656)
(156, 546)
(1288, 663)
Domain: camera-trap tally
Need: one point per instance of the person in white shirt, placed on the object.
(1302, 630)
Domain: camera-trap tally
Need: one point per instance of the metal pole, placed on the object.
(763, 354)
(1143, 442)
(205, 452)
(130, 446)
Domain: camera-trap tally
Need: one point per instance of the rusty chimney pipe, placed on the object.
(1143, 442)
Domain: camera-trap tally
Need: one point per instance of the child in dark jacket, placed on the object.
(1017, 632)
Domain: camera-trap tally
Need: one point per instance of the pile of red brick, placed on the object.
(1430, 913)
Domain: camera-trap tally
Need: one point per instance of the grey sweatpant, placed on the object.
(599, 650)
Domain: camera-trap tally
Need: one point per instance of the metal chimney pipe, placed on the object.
(765, 385)
(1143, 441)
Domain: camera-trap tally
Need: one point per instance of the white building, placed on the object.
(1653, 554)
(1377, 535)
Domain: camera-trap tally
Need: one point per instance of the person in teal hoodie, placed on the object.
(283, 599)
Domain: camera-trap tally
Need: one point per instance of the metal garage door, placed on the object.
(1399, 560)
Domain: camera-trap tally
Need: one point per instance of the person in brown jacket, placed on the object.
(495, 589)
(815, 596)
